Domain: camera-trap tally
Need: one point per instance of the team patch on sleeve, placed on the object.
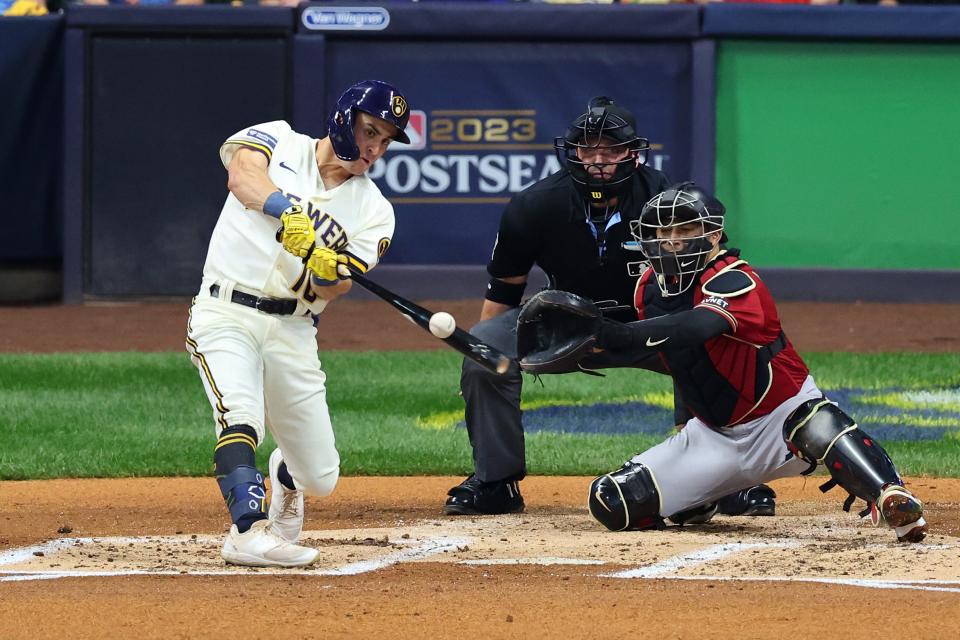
(256, 140)
(265, 150)
(265, 138)
(382, 247)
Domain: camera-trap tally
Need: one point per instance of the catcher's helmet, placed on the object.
(678, 261)
(605, 125)
(377, 98)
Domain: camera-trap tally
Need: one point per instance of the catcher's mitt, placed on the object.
(555, 330)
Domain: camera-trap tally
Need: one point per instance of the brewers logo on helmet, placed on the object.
(399, 106)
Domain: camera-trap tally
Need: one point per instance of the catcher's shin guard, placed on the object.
(627, 498)
(819, 432)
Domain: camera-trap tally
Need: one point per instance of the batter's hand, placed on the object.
(296, 234)
(326, 264)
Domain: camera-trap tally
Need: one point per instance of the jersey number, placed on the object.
(302, 286)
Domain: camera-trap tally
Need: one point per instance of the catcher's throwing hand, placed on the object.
(296, 233)
(327, 265)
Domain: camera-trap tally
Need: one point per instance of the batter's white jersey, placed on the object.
(353, 218)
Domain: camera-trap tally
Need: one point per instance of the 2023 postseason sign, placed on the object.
(483, 120)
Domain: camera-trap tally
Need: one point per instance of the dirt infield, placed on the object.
(391, 564)
(371, 324)
(139, 558)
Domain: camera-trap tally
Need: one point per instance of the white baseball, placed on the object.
(442, 324)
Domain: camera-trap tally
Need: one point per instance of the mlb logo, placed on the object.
(416, 130)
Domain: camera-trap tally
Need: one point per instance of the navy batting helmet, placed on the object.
(605, 126)
(377, 98)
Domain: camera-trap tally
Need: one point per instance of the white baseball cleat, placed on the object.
(900, 510)
(286, 506)
(261, 546)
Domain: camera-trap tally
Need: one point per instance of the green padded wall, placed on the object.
(840, 155)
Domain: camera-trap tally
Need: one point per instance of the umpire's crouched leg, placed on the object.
(492, 412)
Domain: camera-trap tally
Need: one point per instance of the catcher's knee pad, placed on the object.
(319, 482)
(627, 498)
(244, 492)
(821, 433)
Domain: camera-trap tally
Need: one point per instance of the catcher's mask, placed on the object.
(377, 98)
(601, 150)
(675, 232)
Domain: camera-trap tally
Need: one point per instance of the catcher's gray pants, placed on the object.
(492, 413)
(701, 464)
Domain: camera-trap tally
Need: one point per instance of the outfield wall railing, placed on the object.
(822, 128)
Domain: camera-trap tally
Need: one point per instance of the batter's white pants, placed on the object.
(263, 370)
(702, 464)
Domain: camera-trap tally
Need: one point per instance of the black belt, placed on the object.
(276, 306)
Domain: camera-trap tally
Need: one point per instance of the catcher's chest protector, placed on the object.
(740, 375)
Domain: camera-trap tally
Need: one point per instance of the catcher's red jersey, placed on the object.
(744, 373)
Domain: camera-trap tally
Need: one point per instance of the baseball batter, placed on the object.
(299, 210)
(758, 414)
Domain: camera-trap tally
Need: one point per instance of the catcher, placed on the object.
(758, 414)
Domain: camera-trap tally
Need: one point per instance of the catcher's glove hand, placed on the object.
(555, 330)
(296, 233)
(327, 266)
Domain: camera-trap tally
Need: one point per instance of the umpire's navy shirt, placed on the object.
(546, 224)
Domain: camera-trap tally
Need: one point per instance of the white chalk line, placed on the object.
(433, 546)
(22, 554)
(919, 585)
(426, 548)
(701, 556)
(663, 569)
(537, 561)
(429, 547)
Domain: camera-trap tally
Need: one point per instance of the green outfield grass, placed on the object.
(135, 414)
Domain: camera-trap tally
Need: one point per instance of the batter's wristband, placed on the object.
(276, 204)
(320, 282)
(504, 292)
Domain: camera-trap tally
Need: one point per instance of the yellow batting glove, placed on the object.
(27, 8)
(296, 234)
(324, 264)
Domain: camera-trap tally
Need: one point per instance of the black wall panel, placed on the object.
(31, 109)
(160, 106)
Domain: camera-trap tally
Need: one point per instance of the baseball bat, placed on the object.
(469, 345)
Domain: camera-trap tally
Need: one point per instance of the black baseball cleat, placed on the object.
(696, 515)
(474, 498)
(755, 501)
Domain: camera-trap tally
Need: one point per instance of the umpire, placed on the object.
(573, 225)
